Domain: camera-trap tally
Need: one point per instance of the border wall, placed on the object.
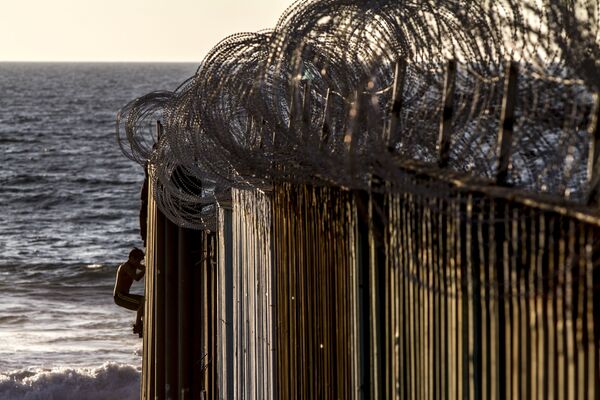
(315, 292)
(179, 327)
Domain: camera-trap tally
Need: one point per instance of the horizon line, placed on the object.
(101, 61)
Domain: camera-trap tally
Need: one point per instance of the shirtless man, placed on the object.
(126, 274)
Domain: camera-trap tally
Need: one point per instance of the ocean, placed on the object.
(69, 204)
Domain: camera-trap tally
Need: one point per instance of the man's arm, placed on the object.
(131, 270)
(139, 275)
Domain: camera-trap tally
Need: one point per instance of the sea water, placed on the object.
(69, 204)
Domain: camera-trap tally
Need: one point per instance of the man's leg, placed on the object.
(140, 312)
(129, 301)
(132, 302)
(138, 326)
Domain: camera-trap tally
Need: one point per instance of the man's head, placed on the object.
(136, 255)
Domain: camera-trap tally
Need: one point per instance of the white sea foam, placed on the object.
(107, 382)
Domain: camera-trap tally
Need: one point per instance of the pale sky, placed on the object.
(126, 30)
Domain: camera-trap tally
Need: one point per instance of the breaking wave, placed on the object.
(107, 382)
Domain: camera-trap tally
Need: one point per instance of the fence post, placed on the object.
(296, 104)
(443, 144)
(502, 229)
(249, 129)
(398, 89)
(507, 119)
(171, 311)
(261, 132)
(159, 246)
(366, 355)
(351, 126)
(358, 117)
(326, 125)
(183, 287)
(306, 118)
(378, 292)
(593, 174)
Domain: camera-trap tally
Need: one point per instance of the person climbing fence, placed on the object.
(131, 270)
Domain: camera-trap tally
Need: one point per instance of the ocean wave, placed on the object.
(65, 274)
(107, 382)
(13, 319)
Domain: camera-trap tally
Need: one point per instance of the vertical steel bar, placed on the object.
(159, 245)
(593, 173)
(326, 124)
(509, 102)
(171, 311)
(443, 143)
(391, 136)
(183, 315)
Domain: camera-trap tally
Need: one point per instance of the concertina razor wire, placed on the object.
(339, 91)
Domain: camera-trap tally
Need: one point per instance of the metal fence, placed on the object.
(179, 328)
(453, 291)
(488, 295)
(245, 356)
(433, 287)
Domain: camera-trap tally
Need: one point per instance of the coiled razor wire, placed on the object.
(318, 100)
